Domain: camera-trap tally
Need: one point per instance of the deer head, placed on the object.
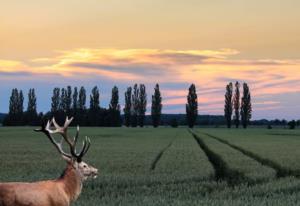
(73, 158)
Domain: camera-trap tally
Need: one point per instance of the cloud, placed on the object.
(174, 70)
(137, 69)
(2, 73)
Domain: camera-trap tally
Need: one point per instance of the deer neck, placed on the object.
(72, 182)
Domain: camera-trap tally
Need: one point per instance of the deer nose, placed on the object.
(95, 173)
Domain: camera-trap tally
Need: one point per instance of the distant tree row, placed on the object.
(68, 102)
(72, 102)
(241, 107)
(17, 116)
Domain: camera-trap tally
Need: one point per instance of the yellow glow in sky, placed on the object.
(265, 29)
(172, 42)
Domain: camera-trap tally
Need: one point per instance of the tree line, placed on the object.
(72, 102)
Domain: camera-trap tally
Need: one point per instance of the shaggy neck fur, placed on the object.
(72, 182)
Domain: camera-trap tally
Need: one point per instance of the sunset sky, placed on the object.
(47, 44)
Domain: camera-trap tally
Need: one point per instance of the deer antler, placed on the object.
(45, 129)
(63, 132)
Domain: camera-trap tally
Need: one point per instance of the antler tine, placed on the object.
(77, 135)
(46, 130)
(86, 145)
(63, 132)
(68, 122)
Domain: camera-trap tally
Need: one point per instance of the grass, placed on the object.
(279, 146)
(165, 166)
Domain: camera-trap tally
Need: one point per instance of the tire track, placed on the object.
(222, 170)
(160, 154)
(280, 170)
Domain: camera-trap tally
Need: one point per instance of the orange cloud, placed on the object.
(210, 70)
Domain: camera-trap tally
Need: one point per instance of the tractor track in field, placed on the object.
(222, 170)
(280, 170)
(160, 154)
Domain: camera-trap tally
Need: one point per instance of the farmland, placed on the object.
(168, 166)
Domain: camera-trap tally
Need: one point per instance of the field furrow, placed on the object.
(280, 171)
(281, 147)
(238, 161)
(184, 160)
(222, 171)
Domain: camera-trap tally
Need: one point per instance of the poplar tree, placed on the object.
(31, 112)
(228, 105)
(246, 107)
(75, 100)
(82, 106)
(127, 107)
(12, 118)
(74, 109)
(95, 99)
(68, 100)
(55, 101)
(192, 106)
(156, 107)
(20, 113)
(94, 107)
(114, 108)
(82, 99)
(62, 103)
(142, 102)
(134, 106)
(236, 105)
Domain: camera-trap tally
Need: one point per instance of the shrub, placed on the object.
(174, 123)
(292, 124)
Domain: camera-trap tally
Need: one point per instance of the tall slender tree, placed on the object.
(94, 107)
(192, 106)
(21, 102)
(114, 101)
(142, 101)
(81, 106)
(12, 118)
(228, 105)
(82, 99)
(156, 106)
(74, 109)
(236, 105)
(55, 101)
(114, 108)
(31, 112)
(13, 102)
(246, 106)
(75, 100)
(127, 107)
(95, 99)
(20, 108)
(68, 100)
(62, 103)
(134, 106)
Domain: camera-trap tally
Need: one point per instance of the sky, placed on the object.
(47, 44)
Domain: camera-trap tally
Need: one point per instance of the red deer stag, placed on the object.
(58, 192)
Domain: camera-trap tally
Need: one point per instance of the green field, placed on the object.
(168, 166)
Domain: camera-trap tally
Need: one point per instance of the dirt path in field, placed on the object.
(222, 170)
(280, 170)
(160, 154)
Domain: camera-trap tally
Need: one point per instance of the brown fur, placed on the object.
(59, 192)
